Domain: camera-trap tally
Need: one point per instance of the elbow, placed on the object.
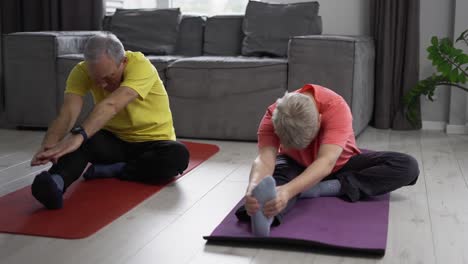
(260, 164)
(257, 162)
(263, 161)
(329, 166)
(110, 107)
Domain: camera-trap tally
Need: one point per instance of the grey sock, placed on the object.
(263, 192)
(101, 171)
(331, 188)
(58, 180)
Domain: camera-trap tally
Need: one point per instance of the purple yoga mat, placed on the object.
(319, 222)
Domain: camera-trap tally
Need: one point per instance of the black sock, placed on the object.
(48, 189)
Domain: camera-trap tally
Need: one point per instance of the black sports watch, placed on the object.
(79, 130)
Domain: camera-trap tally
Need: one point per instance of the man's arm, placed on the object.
(326, 159)
(262, 166)
(69, 112)
(108, 108)
(322, 167)
(101, 113)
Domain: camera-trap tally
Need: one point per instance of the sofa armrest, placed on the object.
(30, 70)
(344, 64)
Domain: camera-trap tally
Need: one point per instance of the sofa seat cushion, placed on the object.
(223, 97)
(218, 74)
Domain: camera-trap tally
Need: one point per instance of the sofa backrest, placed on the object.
(223, 36)
(190, 39)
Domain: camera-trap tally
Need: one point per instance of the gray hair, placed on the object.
(296, 120)
(104, 43)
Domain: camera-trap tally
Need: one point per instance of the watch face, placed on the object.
(76, 130)
(79, 130)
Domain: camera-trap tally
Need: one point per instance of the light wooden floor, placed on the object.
(428, 222)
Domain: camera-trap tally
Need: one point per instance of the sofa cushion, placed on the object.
(65, 63)
(107, 23)
(161, 63)
(217, 74)
(223, 97)
(151, 31)
(268, 27)
(190, 37)
(223, 35)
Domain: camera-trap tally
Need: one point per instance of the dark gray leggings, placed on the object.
(367, 174)
(149, 162)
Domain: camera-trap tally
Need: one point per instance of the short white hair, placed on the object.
(104, 43)
(296, 120)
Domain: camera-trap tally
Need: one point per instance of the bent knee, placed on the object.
(410, 168)
(181, 153)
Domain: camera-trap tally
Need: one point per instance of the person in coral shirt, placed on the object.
(307, 148)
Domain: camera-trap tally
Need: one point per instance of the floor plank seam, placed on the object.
(428, 203)
(460, 168)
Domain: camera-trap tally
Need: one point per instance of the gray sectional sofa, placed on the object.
(215, 92)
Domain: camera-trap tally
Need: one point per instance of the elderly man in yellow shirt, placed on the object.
(128, 135)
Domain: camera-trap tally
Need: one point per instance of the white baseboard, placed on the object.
(434, 125)
(456, 129)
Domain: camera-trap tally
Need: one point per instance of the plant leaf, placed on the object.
(445, 45)
(431, 49)
(459, 59)
(462, 78)
(449, 62)
(453, 76)
(436, 60)
(463, 58)
(445, 69)
(458, 52)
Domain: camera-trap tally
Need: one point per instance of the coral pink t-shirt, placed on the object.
(335, 128)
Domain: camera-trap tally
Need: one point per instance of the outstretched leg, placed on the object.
(263, 192)
(48, 186)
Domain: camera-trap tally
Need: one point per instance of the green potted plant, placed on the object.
(452, 69)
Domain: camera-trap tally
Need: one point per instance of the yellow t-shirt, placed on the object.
(146, 118)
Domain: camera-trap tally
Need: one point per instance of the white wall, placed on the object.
(343, 17)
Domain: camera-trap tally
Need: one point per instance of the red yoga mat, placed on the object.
(87, 208)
